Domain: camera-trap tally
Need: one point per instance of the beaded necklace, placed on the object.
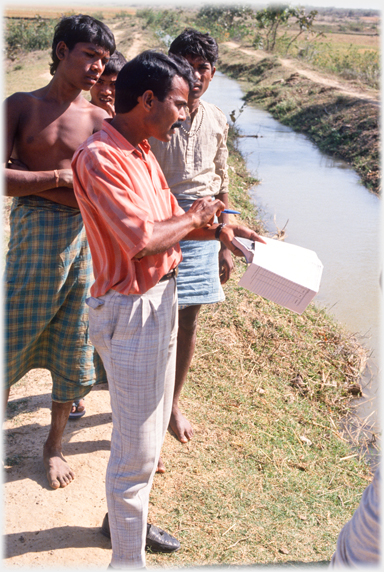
(191, 133)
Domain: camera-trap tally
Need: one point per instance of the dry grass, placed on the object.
(345, 40)
(338, 39)
(269, 477)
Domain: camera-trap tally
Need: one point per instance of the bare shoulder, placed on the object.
(14, 105)
(18, 99)
(96, 114)
(22, 99)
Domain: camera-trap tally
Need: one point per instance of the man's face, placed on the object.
(84, 64)
(204, 73)
(103, 92)
(165, 114)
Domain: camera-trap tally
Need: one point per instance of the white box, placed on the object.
(281, 272)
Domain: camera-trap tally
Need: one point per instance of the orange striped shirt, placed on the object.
(121, 192)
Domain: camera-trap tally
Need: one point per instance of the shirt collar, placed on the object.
(121, 141)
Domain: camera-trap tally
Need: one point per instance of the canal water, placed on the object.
(326, 209)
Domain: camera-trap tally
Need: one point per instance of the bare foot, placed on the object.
(179, 426)
(160, 466)
(59, 473)
(78, 409)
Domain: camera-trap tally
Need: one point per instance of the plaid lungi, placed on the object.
(47, 278)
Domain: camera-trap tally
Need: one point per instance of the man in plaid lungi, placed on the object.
(48, 267)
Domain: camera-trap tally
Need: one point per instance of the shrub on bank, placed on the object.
(28, 35)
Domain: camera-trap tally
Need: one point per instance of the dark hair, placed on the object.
(149, 70)
(194, 43)
(80, 28)
(115, 64)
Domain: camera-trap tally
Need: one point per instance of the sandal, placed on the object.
(76, 414)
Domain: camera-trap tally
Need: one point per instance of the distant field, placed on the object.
(339, 40)
(350, 47)
(360, 41)
(57, 11)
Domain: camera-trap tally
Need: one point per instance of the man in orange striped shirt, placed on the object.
(133, 225)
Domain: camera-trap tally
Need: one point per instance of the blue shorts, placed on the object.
(198, 279)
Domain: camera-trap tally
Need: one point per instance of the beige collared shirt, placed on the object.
(196, 164)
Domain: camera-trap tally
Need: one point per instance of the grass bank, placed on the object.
(341, 125)
(269, 476)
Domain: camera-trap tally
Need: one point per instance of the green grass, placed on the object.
(28, 35)
(351, 62)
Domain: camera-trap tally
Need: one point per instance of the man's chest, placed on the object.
(188, 155)
(53, 132)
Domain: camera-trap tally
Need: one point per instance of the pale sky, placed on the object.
(359, 4)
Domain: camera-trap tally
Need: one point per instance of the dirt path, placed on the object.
(47, 522)
(343, 87)
(46, 527)
(135, 48)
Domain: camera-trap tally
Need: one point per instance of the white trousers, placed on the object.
(136, 339)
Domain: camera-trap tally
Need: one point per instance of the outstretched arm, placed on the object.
(227, 233)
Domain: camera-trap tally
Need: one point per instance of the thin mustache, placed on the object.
(176, 125)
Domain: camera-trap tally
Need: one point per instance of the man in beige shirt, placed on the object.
(194, 163)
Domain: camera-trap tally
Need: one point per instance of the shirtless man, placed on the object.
(48, 267)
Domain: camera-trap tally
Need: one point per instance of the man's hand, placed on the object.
(65, 178)
(65, 175)
(110, 109)
(203, 211)
(225, 264)
(230, 230)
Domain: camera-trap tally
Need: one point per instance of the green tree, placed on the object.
(269, 20)
(223, 16)
(305, 23)
(272, 19)
(224, 20)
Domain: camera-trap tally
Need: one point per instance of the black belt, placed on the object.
(169, 275)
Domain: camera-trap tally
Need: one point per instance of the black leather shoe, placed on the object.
(157, 540)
